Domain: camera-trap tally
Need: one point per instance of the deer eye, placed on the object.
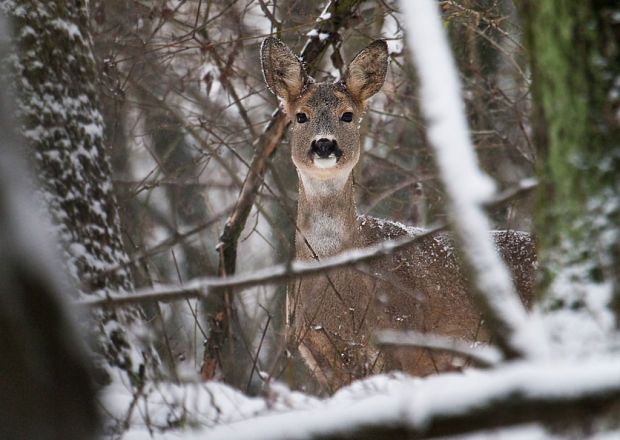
(301, 117)
(347, 117)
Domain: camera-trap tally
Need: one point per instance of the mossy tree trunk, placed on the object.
(574, 50)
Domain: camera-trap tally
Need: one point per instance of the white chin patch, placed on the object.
(327, 162)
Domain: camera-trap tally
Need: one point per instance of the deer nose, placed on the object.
(324, 148)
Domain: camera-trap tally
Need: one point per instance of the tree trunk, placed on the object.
(44, 379)
(63, 125)
(574, 50)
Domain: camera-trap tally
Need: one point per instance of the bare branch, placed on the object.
(198, 288)
(201, 287)
(524, 187)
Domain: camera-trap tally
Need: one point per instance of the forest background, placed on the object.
(163, 165)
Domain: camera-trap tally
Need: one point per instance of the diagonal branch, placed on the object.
(340, 13)
(481, 356)
(311, 55)
(199, 287)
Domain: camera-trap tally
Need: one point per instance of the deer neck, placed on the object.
(325, 216)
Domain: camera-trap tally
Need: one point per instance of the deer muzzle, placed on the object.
(325, 149)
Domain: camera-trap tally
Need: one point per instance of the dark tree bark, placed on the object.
(45, 385)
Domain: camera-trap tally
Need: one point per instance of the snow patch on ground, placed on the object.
(223, 413)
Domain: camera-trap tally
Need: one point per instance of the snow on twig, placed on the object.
(201, 287)
(467, 188)
(198, 287)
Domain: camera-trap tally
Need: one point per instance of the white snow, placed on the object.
(70, 28)
(380, 400)
(395, 46)
(325, 15)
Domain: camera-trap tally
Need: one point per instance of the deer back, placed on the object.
(422, 287)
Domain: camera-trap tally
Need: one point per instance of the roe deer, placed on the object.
(332, 316)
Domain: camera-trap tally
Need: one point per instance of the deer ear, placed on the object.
(365, 75)
(283, 72)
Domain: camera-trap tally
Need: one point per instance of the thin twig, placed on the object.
(260, 345)
(481, 356)
(198, 287)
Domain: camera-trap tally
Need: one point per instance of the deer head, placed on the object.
(325, 116)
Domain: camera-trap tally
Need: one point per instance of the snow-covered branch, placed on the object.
(449, 404)
(281, 272)
(467, 188)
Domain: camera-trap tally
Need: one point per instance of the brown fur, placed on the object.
(332, 316)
